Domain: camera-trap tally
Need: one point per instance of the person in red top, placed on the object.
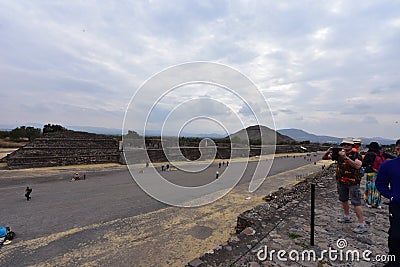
(348, 180)
(357, 144)
(371, 162)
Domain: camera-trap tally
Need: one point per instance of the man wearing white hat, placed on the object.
(348, 180)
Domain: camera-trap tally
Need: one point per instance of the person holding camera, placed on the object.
(348, 180)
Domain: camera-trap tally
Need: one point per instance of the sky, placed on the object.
(326, 67)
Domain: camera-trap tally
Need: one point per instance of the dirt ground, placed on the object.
(108, 220)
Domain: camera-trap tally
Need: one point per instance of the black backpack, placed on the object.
(10, 235)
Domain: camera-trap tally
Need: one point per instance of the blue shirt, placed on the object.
(3, 231)
(389, 173)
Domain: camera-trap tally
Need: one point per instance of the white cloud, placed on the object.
(320, 65)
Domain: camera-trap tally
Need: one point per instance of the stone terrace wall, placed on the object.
(155, 153)
(283, 223)
(65, 148)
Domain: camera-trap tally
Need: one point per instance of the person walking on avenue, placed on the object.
(371, 162)
(348, 182)
(76, 177)
(28, 192)
(388, 184)
(216, 175)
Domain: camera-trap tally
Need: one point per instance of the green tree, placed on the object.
(32, 132)
(132, 135)
(4, 134)
(25, 132)
(51, 128)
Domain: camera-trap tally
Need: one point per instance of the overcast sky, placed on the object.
(327, 67)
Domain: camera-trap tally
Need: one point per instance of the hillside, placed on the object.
(255, 132)
(300, 135)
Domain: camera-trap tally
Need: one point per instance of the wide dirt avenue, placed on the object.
(108, 220)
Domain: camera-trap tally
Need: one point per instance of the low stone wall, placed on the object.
(283, 223)
(70, 147)
(138, 155)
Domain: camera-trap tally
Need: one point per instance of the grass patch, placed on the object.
(11, 144)
(294, 235)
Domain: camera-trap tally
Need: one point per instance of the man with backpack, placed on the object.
(388, 184)
(28, 192)
(371, 162)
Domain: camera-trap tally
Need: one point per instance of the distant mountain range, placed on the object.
(300, 135)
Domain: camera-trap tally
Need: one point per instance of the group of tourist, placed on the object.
(165, 168)
(382, 172)
(223, 164)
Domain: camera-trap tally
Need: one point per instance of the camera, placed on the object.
(335, 153)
